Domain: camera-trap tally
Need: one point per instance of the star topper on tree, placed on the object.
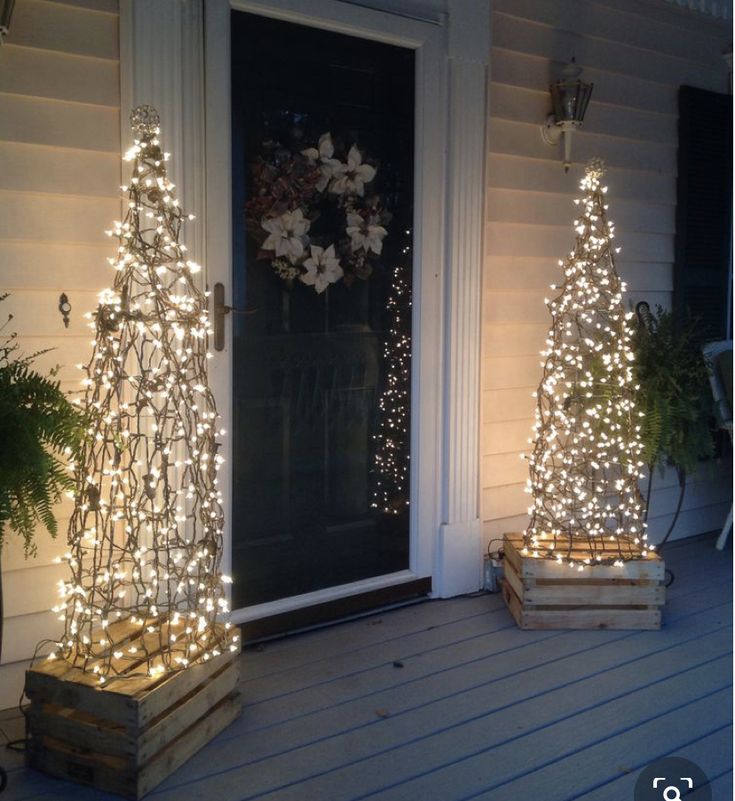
(145, 535)
(586, 461)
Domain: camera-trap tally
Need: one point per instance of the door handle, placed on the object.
(220, 310)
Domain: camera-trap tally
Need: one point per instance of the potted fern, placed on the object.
(674, 396)
(38, 429)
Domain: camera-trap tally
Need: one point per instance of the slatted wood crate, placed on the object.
(127, 736)
(543, 594)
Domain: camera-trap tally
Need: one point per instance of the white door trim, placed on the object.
(459, 551)
(162, 65)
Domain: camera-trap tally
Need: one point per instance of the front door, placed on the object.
(323, 155)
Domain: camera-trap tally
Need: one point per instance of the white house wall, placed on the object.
(59, 179)
(637, 53)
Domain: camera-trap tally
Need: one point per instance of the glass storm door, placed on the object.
(323, 127)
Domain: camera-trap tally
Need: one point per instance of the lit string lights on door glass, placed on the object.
(586, 461)
(145, 593)
(392, 446)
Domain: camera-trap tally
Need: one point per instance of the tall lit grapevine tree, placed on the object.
(586, 459)
(146, 531)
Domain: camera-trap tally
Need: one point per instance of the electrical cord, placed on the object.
(19, 745)
(499, 552)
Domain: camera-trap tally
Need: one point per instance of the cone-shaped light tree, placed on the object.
(145, 534)
(586, 461)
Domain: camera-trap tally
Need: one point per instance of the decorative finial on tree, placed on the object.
(145, 121)
(596, 168)
(587, 451)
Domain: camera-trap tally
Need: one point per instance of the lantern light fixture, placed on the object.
(570, 97)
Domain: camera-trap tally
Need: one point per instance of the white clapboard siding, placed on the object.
(34, 168)
(535, 273)
(110, 6)
(508, 404)
(531, 105)
(532, 239)
(46, 317)
(556, 44)
(709, 518)
(48, 548)
(67, 29)
(510, 499)
(508, 306)
(44, 121)
(43, 73)
(626, 91)
(24, 633)
(524, 139)
(518, 206)
(511, 468)
(60, 173)
(17, 599)
(637, 54)
(56, 218)
(61, 353)
(510, 171)
(53, 265)
(510, 372)
(582, 17)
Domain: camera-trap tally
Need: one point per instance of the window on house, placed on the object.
(703, 266)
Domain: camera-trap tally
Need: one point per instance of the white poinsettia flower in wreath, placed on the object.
(324, 151)
(350, 178)
(366, 234)
(322, 268)
(328, 166)
(285, 234)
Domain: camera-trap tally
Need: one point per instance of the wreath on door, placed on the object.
(312, 215)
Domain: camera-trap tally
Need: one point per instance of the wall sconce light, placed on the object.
(570, 97)
(6, 12)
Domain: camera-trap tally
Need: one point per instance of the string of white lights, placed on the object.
(392, 448)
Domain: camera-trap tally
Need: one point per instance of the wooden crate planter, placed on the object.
(129, 735)
(543, 594)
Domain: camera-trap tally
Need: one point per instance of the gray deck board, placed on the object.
(706, 752)
(476, 710)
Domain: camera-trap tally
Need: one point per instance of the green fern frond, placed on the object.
(674, 395)
(38, 428)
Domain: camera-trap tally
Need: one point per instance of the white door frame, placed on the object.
(427, 40)
(175, 54)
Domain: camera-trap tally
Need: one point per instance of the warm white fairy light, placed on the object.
(586, 461)
(392, 447)
(146, 531)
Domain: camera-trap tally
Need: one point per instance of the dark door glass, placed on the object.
(323, 213)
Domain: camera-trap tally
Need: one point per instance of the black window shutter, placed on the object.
(704, 208)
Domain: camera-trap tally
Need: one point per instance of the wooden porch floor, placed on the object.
(449, 701)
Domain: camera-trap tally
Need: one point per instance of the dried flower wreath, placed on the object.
(290, 214)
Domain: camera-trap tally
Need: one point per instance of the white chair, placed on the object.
(718, 358)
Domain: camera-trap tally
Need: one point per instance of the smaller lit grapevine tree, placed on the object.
(587, 451)
(145, 537)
